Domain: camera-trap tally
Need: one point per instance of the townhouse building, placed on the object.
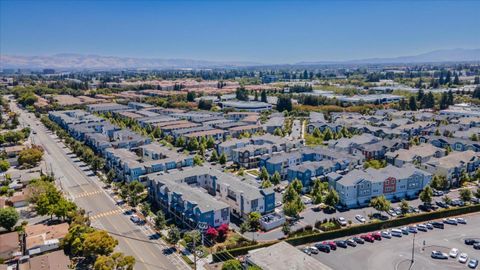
(241, 197)
(416, 154)
(358, 187)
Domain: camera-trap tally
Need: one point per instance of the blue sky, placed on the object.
(260, 31)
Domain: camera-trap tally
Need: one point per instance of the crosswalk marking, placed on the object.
(107, 213)
(86, 194)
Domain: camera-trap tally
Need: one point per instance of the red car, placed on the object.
(377, 236)
(331, 244)
(367, 238)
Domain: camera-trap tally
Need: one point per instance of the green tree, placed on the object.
(135, 192)
(98, 243)
(116, 261)
(264, 174)
(316, 133)
(332, 198)
(214, 156)
(263, 96)
(190, 96)
(284, 103)
(193, 144)
(294, 207)
(173, 235)
(404, 207)
(232, 264)
(160, 220)
(317, 192)
(328, 135)
(8, 218)
(286, 228)
(412, 103)
(276, 178)
(426, 195)
(477, 193)
(191, 237)
(223, 159)
(446, 199)
(465, 194)
(241, 94)
(210, 142)
(380, 203)
(198, 160)
(297, 185)
(254, 220)
(278, 132)
(266, 184)
(4, 165)
(30, 157)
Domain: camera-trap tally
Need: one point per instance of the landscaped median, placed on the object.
(353, 230)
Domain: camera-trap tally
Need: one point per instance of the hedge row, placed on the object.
(382, 225)
(315, 237)
(235, 252)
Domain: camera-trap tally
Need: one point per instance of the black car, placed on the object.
(323, 248)
(358, 240)
(425, 207)
(341, 243)
(471, 241)
(442, 204)
(438, 225)
(476, 246)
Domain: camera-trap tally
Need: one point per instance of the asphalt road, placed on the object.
(396, 253)
(84, 188)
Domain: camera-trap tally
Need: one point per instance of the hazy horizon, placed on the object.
(273, 32)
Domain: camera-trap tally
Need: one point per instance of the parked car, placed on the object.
(342, 221)
(358, 240)
(386, 234)
(314, 250)
(405, 230)
(392, 213)
(471, 241)
(438, 225)
(441, 204)
(461, 221)
(422, 227)
(463, 258)
(351, 242)
(437, 193)
(453, 253)
(425, 207)
(439, 255)
(450, 221)
(398, 211)
(323, 248)
(135, 219)
(377, 235)
(341, 243)
(360, 218)
(412, 229)
(475, 200)
(473, 263)
(396, 232)
(331, 244)
(429, 225)
(476, 246)
(307, 251)
(367, 238)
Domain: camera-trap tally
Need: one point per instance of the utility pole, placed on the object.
(413, 248)
(194, 253)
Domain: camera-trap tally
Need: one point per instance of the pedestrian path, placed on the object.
(86, 194)
(107, 213)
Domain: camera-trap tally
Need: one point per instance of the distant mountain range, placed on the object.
(80, 61)
(450, 55)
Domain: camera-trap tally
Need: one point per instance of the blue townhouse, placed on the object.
(309, 170)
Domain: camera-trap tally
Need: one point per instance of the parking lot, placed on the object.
(396, 253)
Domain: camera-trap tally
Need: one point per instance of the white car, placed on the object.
(342, 221)
(386, 234)
(461, 221)
(313, 250)
(453, 253)
(463, 258)
(360, 218)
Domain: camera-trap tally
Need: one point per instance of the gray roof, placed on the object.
(283, 256)
(374, 175)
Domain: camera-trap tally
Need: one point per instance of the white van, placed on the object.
(396, 232)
